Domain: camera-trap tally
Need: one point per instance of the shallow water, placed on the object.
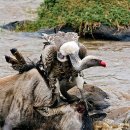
(114, 79)
(15, 10)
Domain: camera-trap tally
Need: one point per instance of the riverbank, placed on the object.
(106, 20)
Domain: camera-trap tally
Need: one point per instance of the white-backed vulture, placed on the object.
(64, 59)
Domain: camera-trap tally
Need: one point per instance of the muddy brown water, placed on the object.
(114, 79)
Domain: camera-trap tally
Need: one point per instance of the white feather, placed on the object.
(69, 48)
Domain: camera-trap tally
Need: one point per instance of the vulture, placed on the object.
(64, 58)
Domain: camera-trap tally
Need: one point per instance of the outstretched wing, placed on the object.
(48, 57)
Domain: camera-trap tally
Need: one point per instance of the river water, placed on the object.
(114, 79)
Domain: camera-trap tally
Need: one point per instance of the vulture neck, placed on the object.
(79, 64)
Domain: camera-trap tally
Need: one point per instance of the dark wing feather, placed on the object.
(82, 51)
(48, 57)
(60, 38)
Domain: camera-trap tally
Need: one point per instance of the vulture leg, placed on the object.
(80, 84)
(56, 100)
(56, 95)
(7, 127)
(64, 87)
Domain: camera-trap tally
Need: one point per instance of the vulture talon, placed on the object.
(72, 99)
(57, 101)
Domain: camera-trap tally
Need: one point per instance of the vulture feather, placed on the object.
(64, 58)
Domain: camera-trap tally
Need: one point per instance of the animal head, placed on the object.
(93, 61)
(68, 48)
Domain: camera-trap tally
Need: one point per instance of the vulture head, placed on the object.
(71, 49)
(67, 49)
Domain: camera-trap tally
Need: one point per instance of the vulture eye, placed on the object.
(60, 56)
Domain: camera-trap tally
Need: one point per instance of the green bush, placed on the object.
(78, 13)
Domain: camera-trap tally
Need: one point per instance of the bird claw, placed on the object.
(57, 101)
(72, 99)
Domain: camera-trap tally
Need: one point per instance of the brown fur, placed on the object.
(19, 94)
(22, 95)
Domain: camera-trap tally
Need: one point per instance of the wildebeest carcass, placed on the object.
(23, 98)
(28, 99)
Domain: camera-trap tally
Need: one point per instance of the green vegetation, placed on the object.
(82, 15)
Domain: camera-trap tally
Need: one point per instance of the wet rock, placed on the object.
(102, 32)
(120, 114)
(12, 26)
(110, 33)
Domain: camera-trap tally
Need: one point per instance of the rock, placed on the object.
(109, 33)
(102, 32)
(12, 26)
(120, 114)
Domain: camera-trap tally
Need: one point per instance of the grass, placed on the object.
(82, 15)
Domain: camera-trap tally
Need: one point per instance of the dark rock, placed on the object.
(12, 26)
(102, 32)
(47, 31)
(64, 28)
(109, 33)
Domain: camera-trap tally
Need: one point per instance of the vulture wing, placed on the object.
(56, 41)
(60, 38)
(82, 51)
(48, 57)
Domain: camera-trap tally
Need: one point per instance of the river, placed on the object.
(114, 79)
